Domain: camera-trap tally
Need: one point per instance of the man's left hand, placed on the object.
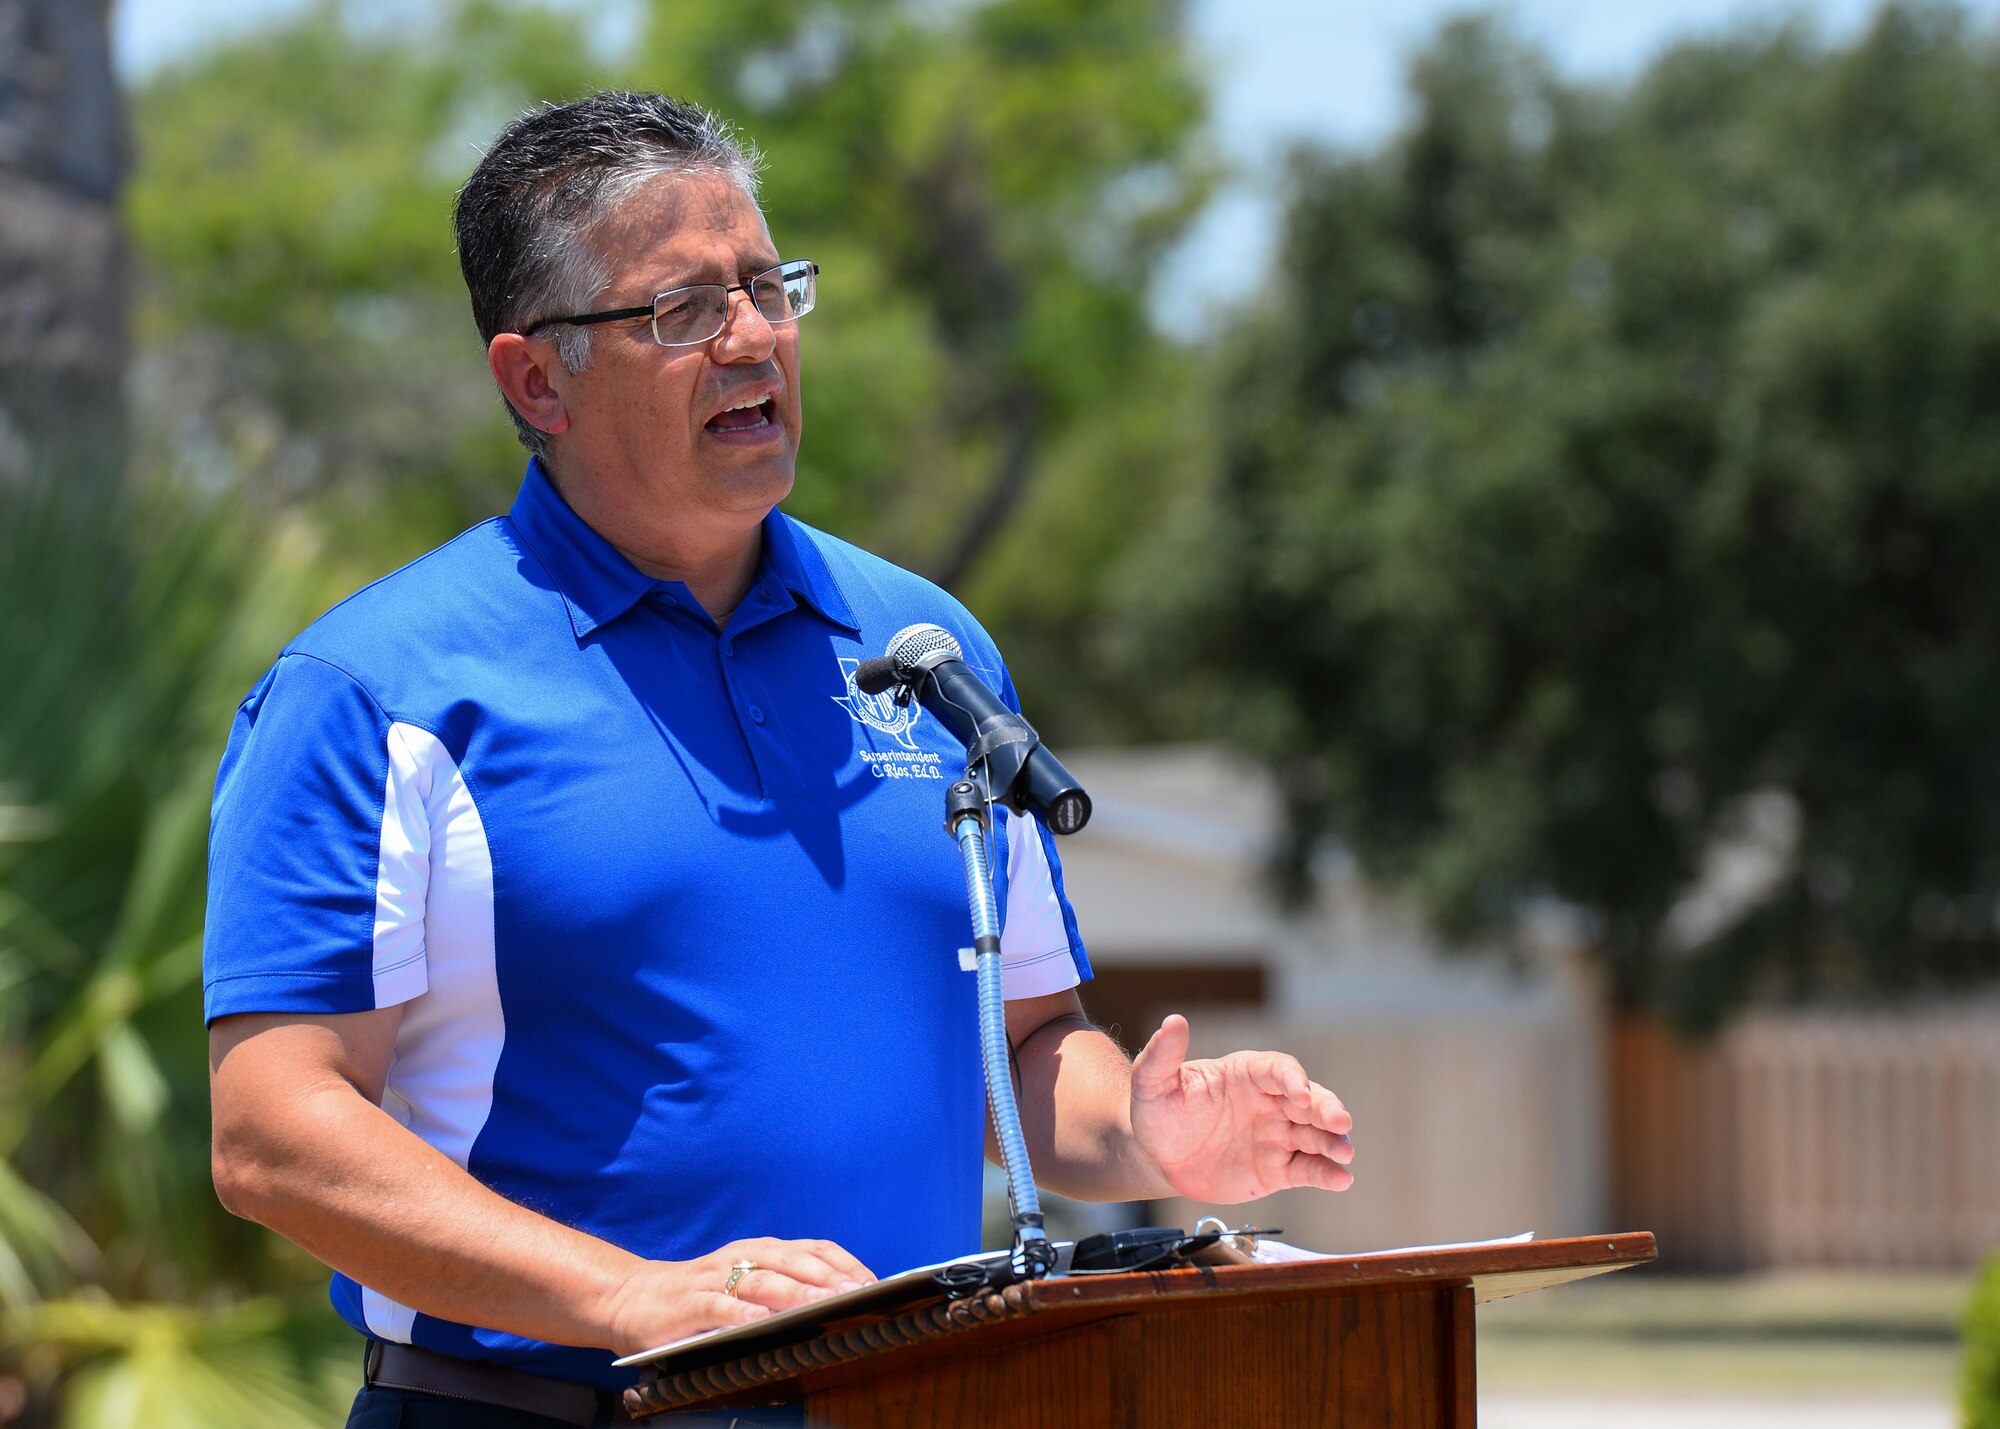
(1237, 1127)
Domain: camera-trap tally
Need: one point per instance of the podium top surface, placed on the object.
(1495, 1272)
(707, 1373)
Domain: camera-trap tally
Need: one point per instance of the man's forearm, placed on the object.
(1076, 1108)
(343, 1179)
(302, 1145)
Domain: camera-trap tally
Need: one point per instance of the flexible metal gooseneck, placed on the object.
(967, 819)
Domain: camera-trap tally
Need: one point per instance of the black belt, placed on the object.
(428, 1372)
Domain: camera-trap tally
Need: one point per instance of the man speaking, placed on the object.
(580, 961)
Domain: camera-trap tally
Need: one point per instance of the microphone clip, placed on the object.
(966, 799)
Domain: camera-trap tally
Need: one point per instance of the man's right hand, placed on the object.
(667, 1300)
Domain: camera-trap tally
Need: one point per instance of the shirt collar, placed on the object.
(599, 584)
(593, 577)
(796, 560)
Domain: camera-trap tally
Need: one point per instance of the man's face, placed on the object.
(661, 432)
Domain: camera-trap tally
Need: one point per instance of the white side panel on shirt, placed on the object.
(1034, 943)
(402, 870)
(434, 947)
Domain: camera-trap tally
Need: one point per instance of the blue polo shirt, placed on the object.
(669, 910)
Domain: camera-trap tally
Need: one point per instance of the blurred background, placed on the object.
(1501, 507)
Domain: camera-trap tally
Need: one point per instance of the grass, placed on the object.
(1641, 1332)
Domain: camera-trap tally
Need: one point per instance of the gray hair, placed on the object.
(526, 218)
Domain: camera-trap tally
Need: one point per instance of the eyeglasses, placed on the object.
(684, 317)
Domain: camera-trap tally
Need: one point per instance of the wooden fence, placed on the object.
(1811, 1140)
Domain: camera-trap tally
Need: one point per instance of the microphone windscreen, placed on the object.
(873, 676)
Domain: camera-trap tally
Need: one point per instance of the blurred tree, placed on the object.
(988, 186)
(62, 278)
(302, 330)
(1609, 492)
(992, 185)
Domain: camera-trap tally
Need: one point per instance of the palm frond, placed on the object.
(152, 1366)
(42, 1250)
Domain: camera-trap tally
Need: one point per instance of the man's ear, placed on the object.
(522, 366)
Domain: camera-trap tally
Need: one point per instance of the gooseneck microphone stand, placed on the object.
(969, 819)
(924, 664)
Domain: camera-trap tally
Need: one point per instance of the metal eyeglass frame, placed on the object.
(652, 310)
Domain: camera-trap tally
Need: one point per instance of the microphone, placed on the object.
(925, 661)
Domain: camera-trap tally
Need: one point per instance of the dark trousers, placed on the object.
(412, 1409)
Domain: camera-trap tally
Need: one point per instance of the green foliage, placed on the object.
(1609, 480)
(132, 628)
(989, 188)
(303, 331)
(1979, 1381)
(245, 1366)
(131, 622)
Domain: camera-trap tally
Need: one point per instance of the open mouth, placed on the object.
(754, 414)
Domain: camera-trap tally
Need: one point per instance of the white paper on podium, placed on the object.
(1276, 1252)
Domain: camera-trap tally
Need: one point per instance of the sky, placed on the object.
(1282, 71)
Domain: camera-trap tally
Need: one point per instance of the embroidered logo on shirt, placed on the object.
(877, 711)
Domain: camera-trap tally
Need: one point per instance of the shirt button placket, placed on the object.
(746, 710)
(751, 698)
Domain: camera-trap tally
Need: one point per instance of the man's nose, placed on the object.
(747, 335)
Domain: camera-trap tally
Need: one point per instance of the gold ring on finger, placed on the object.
(736, 1273)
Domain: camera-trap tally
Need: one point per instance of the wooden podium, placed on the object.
(1367, 1342)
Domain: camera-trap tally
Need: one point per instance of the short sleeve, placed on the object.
(319, 852)
(1040, 949)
